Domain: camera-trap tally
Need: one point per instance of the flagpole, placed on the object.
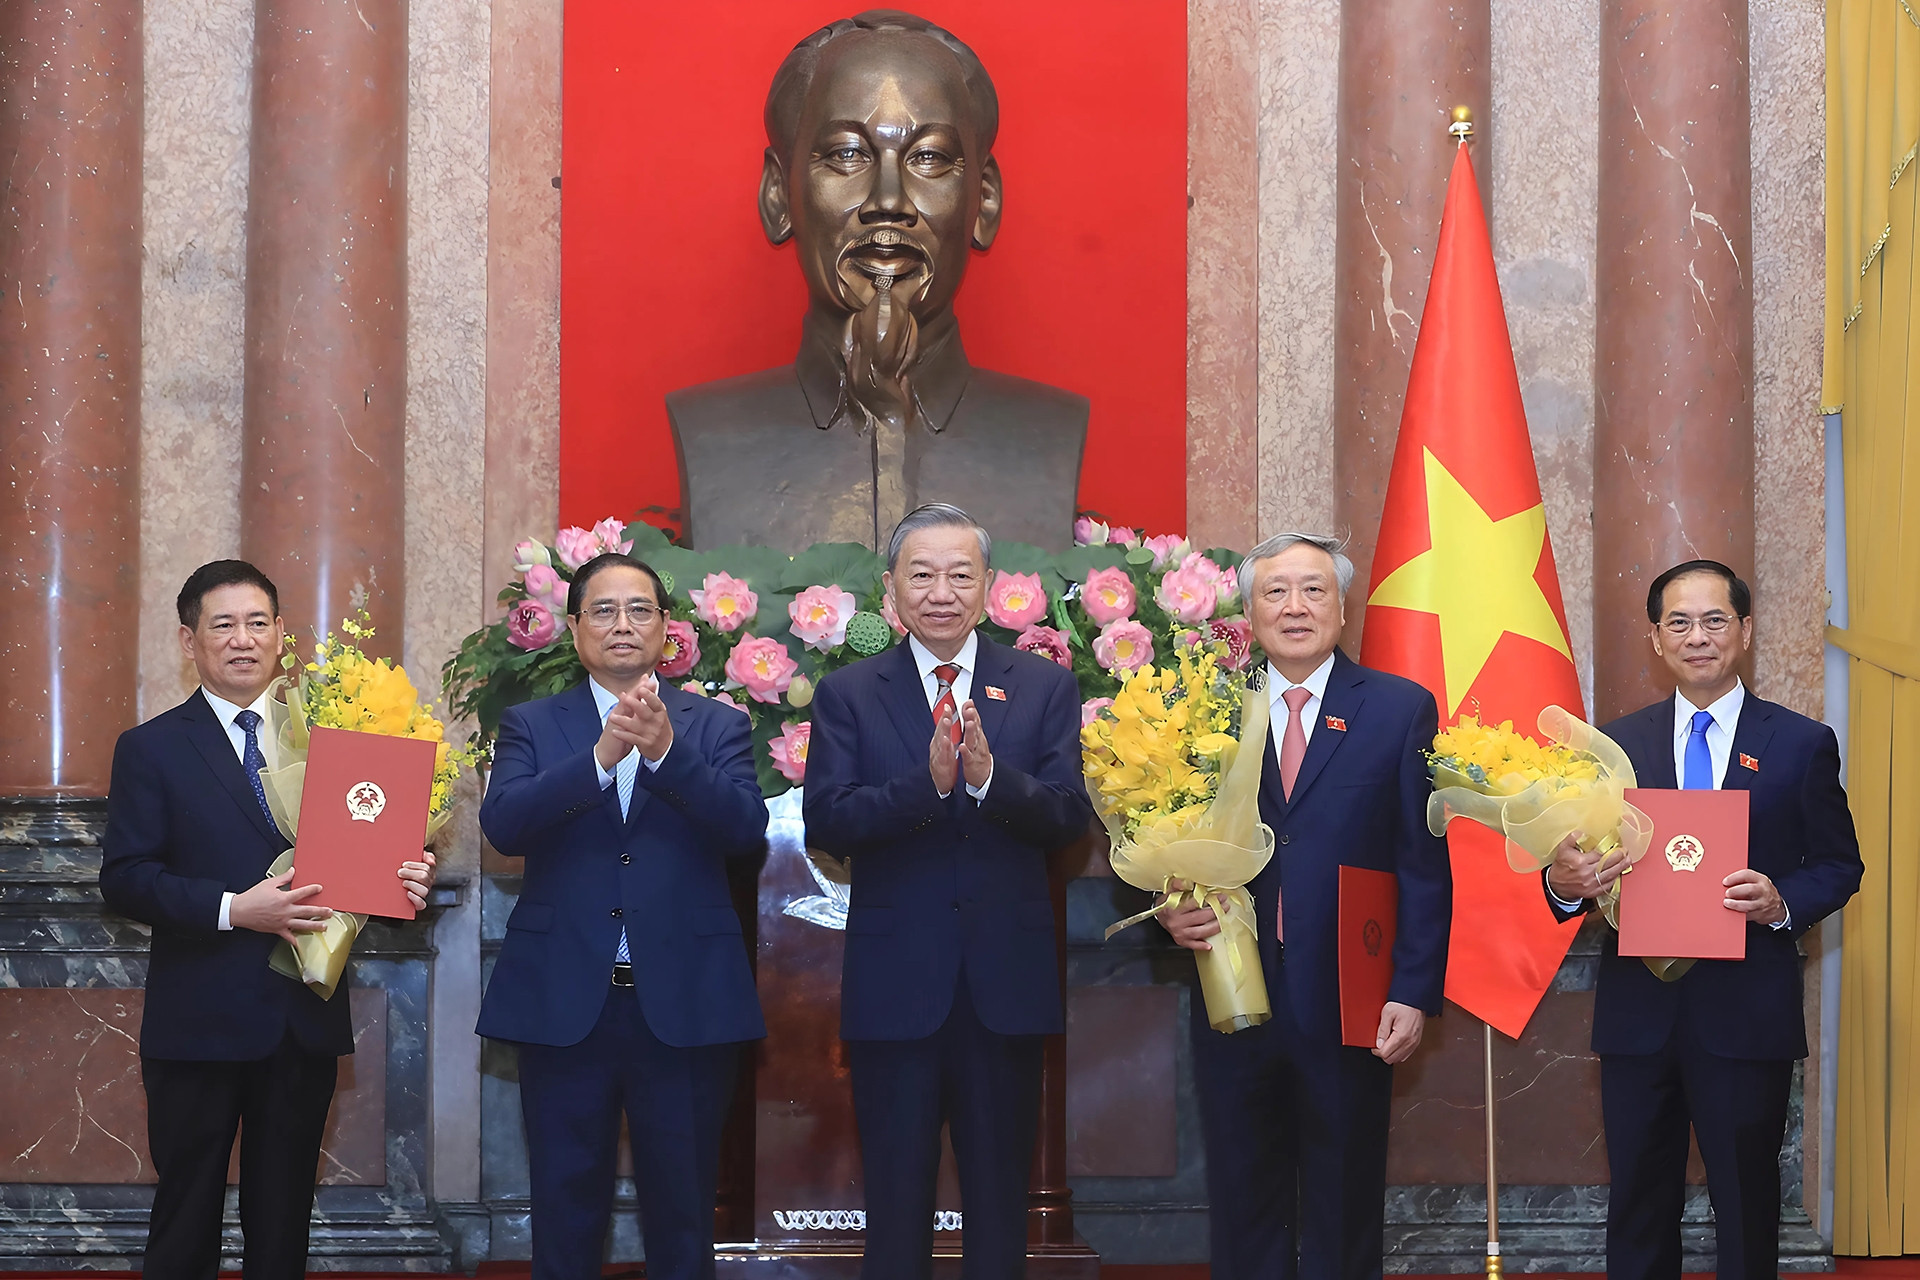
(1493, 1177)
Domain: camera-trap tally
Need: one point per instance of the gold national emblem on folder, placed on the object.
(365, 800)
(1684, 853)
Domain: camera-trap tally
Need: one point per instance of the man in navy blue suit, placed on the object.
(1716, 1048)
(947, 769)
(225, 1042)
(624, 976)
(1296, 1122)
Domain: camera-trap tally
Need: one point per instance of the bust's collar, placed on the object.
(939, 376)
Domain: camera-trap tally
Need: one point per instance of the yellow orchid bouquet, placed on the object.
(1173, 768)
(1536, 793)
(342, 688)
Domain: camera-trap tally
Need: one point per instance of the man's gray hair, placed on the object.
(1271, 547)
(937, 515)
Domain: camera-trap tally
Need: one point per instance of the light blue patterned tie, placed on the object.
(1699, 773)
(623, 776)
(253, 760)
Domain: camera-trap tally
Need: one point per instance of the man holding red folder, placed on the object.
(226, 1043)
(1714, 1049)
(1295, 1115)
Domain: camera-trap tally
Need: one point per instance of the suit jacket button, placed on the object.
(956, 906)
(1285, 838)
(616, 913)
(626, 858)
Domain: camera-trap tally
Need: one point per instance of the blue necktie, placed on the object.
(1699, 774)
(253, 760)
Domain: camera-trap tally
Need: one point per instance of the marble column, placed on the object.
(324, 452)
(1223, 287)
(1673, 351)
(1404, 65)
(70, 139)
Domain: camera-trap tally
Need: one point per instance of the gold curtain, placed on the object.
(1873, 342)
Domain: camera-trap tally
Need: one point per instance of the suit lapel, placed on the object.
(992, 665)
(906, 699)
(1341, 702)
(209, 738)
(1656, 728)
(1750, 739)
(580, 725)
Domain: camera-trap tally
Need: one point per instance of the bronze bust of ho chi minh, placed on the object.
(879, 167)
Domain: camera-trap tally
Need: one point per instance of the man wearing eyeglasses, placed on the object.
(623, 977)
(1715, 1048)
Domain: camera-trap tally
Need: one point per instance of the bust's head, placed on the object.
(879, 163)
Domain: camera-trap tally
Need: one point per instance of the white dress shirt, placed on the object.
(1726, 720)
(604, 702)
(269, 751)
(969, 654)
(1725, 711)
(1278, 713)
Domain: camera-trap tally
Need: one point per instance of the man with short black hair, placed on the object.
(1713, 1049)
(225, 1041)
(623, 977)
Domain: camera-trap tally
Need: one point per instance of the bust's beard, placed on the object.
(879, 349)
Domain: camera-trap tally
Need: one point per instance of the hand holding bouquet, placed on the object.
(1536, 794)
(342, 688)
(1173, 768)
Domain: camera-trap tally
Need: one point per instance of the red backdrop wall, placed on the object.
(667, 280)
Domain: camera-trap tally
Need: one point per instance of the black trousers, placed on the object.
(985, 1087)
(1737, 1109)
(1296, 1132)
(675, 1102)
(280, 1106)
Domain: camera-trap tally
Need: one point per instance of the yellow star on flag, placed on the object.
(1477, 577)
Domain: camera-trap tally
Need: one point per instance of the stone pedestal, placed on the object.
(71, 978)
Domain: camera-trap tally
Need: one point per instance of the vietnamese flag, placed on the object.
(1464, 597)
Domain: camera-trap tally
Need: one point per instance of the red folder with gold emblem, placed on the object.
(1369, 916)
(1673, 902)
(363, 812)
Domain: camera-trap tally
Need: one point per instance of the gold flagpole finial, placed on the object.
(1462, 123)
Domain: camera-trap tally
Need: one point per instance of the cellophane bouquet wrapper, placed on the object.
(1576, 783)
(1217, 849)
(319, 959)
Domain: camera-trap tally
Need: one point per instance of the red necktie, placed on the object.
(1293, 749)
(946, 673)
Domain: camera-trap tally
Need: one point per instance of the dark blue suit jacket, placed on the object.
(183, 827)
(941, 884)
(661, 874)
(1799, 834)
(1360, 800)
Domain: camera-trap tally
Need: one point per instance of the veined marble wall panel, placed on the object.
(1788, 83)
(447, 125)
(1787, 89)
(1545, 170)
(198, 65)
(1299, 93)
(448, 106)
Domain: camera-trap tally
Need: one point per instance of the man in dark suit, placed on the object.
(624, 976)
(225, 1041)
(947, 769)
(1716, 1048)
(1296, 1122)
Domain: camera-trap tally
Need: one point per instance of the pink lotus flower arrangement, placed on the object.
(1016, 600)
(761, 666)
(1100, 611)
(820, 615)
(724, 602)
(789, 750)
